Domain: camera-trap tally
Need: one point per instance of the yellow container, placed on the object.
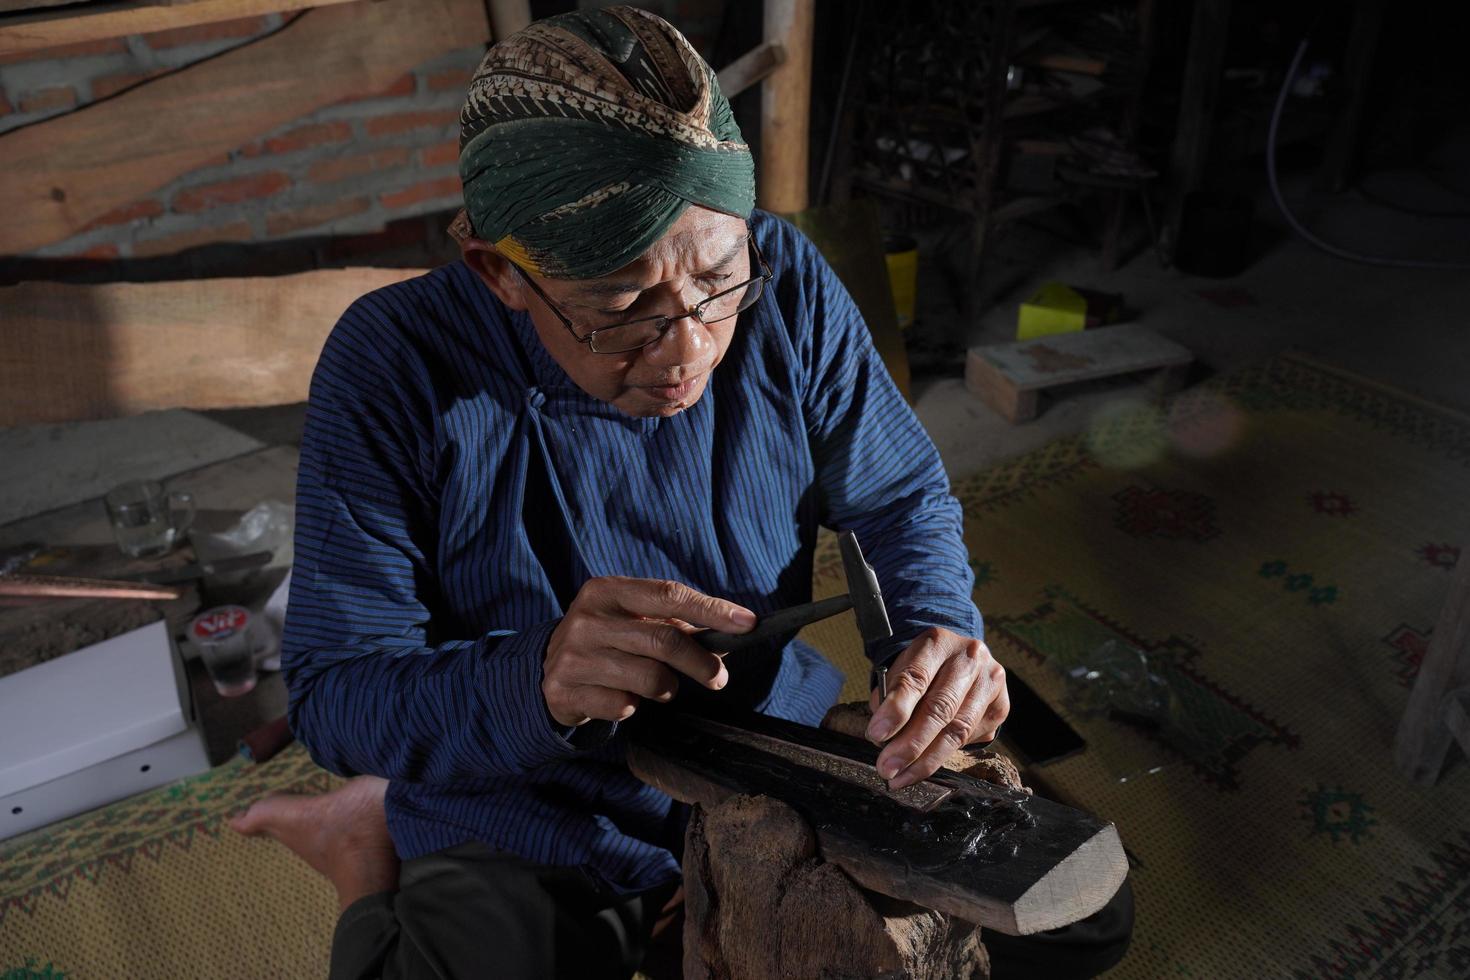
(902, 258)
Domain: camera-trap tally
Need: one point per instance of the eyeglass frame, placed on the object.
(667, 321)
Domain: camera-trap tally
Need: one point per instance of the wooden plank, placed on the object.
(1340, 158)
(983, 853)
(509, 16)
(750, 68)
(95, 21)
(10, 6)
(78, 352)
(65, 172)
(1082, 356)
(1008, 377)
(786, 108)
(1425, 734)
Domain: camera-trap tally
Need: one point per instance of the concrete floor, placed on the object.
(1406, 327)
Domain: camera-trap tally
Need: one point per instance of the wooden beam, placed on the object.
(65, 172)
(508, 16)
(750, 68)
(1202, 66)
(85, 352)
(37, 30)
(786, 103)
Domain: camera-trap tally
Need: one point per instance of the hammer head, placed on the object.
(862, 586)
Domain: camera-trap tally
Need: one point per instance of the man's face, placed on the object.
(703, 253)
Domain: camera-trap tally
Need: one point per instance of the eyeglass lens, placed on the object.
(641, 333)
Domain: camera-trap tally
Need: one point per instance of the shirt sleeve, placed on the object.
(373, 686)
(879, 473)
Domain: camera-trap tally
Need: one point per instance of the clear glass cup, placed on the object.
(231, 642)
(147, 520)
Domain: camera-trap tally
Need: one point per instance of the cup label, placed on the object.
(217, 624)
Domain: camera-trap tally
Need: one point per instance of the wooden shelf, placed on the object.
(35, 30)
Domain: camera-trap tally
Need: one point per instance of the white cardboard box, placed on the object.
(94, 726)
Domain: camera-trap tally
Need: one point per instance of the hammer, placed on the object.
(864, 598)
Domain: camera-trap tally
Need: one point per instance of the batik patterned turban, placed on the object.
(586, 135)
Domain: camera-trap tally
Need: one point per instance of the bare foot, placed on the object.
(343, 835)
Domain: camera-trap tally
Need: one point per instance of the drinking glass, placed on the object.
(146, 519)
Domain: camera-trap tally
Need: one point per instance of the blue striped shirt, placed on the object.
(456, 489)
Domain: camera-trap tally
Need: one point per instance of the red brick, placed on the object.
(238, 231)
(451, 80)
(49, 99)
(404, 122)
(440, 155)
(279, 223)
(206, 196)
(199, 33)
(426, 191)
(83, 49)
(403, 85)
(300, 138)
(127, 213)
(341, 168)
(112, 84)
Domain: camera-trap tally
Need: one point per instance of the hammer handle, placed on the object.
(781, 621)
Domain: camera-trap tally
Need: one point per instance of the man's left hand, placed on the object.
(944, 692)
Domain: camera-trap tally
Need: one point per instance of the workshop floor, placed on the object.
(1406, 327)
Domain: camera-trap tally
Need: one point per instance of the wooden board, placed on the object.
(36, 30)
(1008, 377)
(80, 352)
(983, 853)
(750, 68)
(1435, 713)
(65, 172)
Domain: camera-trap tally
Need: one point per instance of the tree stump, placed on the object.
(760, 903)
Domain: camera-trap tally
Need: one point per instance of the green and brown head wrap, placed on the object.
(586, 135)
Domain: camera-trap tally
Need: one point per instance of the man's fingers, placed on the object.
(667, 644)
(602, 703)
(657, 599)
(908, 678)
(959, 731)
(613, 667)
(999, 709)
(945, 713)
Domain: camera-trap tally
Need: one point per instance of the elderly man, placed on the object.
(525, 479)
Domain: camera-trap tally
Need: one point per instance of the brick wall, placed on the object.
(347, 169)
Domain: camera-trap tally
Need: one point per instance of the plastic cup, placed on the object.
(228, 639)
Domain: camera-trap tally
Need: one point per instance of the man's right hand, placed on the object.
(624, 639)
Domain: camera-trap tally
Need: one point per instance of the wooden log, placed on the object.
(36, 30)
(83, 352)
(986, 854)
(760, 903)
(1427, 728)
(65, 172)
(786, 100)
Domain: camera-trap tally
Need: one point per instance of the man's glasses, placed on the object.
(618, 338)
